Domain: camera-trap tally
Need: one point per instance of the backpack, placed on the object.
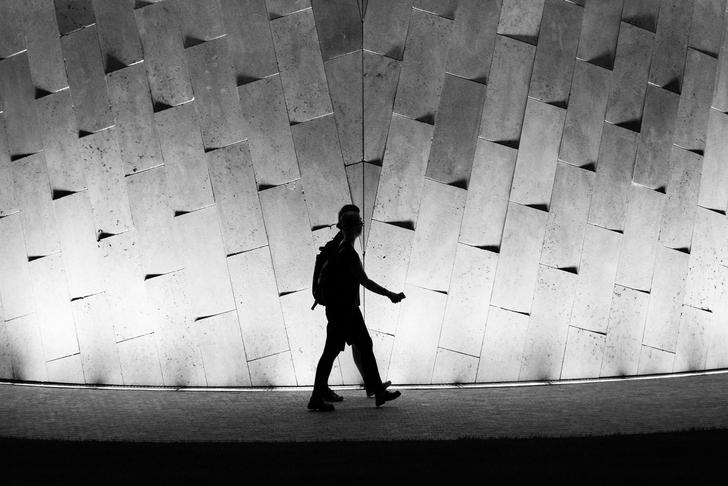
(322, 273)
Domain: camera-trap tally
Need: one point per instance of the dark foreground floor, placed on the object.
(696, 457)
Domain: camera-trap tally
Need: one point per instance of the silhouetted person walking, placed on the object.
(345, 322)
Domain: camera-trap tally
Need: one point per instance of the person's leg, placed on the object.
(369, 369)
(334, 344)
(358, 361)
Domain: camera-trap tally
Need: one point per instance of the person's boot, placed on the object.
(383, 396)
(317, 404)
(385, 385)
(331, 396)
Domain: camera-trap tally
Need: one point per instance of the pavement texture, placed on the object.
(553, 410)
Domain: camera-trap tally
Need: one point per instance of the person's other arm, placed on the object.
(360, 275)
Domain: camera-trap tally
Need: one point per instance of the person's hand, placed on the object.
(396, 298)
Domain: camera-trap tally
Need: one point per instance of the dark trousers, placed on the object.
(346, 325)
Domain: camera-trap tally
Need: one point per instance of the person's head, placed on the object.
(350, 222)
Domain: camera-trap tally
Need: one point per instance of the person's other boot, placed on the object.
(383, 396)
(331, 396)
(317, 404)
(385, 385)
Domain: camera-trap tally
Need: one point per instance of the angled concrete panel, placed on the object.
(17, 95)
(8, 204)
(507, 92)
(558, 40)
(140, 361)
(6, 358)
(707, 252)
(583, 355)
(11, 29)
(418, 330)
(363, 182)
(666, 298)
(614, 177)
(344, 75)
(386, 262)
(85, 69)
(671, 42)
(60, 142)
(487, 196)
(26, 348)
(104, 172)
(403, 171)
(585, 115)
(718, 330)
(598, 267)
(199, 21)
(338, 23)
(33, 197)
(66, 370)
(216, 97)
(707, 28)
(624, 334)
(641, 13)
(223, 354)
(453, 367)
(301, 66)
(658, 126)
(505, 335)
(713, 192)
(250, 43)
(456, 131)
(385, 26)
(599, 32)
(562, 246)
(203, 253)
(548, 325)
(179, 356)
(16, 290)
(629, 75)
(164, 56)
(515, 277)
(467, 307)
(236, 198)
(423, 66)
(323, 174)
(125, 287)
(74, 14)
(281, 8)
(152, 213)
(536, 162)
(381, 76)
(521, 19)
(473, 38)
(639, 245)
(436, 236)
(53, 307)
(43, 42)
(692, 345)
(654, 361)
(77, 236)
(307, 333)
(276, 370)
(99, 356)
(720, 96)
(132, 107)
(188, 180)
(265, 123)
(443, 8)
(694, 108)
(678, 218)
(118, 34)
(289, 235)
(256, 299)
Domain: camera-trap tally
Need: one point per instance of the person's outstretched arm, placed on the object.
(369, 284)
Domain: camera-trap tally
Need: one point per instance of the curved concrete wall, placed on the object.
(546, 181)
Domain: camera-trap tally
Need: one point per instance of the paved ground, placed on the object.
(558, 410)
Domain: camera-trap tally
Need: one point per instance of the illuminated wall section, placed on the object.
(546, 180)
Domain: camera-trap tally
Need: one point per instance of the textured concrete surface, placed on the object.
(564, 410)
